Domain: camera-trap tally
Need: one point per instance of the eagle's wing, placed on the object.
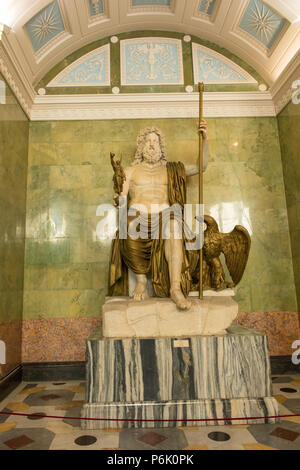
(236, 246)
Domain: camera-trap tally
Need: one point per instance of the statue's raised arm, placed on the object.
(193, 169)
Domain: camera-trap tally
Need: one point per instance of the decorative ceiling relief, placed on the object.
(141, 6)
(139, 3)
(151, 61)
(206, 7)
(262, 23)
(96, 7)
(93, 69)
(45, 26)
(211, 67)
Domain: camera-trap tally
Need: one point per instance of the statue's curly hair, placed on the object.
(141, 140)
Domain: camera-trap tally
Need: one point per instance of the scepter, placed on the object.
(201, 90)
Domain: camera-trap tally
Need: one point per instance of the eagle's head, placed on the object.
(211, 224)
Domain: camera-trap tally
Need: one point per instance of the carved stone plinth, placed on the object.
(159, 318)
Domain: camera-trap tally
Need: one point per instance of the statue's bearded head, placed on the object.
(152, 150)
(150, 147)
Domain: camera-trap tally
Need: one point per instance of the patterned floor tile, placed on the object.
(4, 427)
(295, 383)
(280, 398)
(191, 447)
(49, 397)
(283, 411)
(29, 385)
(263, 435)
(188, 428)
(58, 427)
(293, 419)
(293, 405)
(29, 390)
(219, 436)
(85, 440)
(74, 412)
(36, 416)
(113, 430)
(76, 389)
(66, 399)
(18, 442)
(26, 439)
(286, 390)
(27, 422)
(152, 439)
(70, 404)
(12, 396)
(282, 379)
(214, 437)
(4, 417)
(286, 434)
(17, 406)
(257, 446)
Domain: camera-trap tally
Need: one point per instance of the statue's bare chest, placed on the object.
(144, 176)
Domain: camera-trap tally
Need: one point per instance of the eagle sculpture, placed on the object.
(234, 245)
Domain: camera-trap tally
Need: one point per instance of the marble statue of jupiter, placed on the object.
(155, 184)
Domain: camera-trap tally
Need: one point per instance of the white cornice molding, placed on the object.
(14, 75)
(282, 91)
(152, 105)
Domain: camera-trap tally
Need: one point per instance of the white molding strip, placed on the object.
(13, 74)
(152, 105)
(282, 90)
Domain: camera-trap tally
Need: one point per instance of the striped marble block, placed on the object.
(201, 376)
(180, 413)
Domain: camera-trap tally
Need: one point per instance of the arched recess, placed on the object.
(218, 59)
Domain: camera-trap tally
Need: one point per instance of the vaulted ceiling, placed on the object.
(265, 34)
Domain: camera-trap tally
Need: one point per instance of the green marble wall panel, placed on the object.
(289, 125)
(69, 176)
(14, 129)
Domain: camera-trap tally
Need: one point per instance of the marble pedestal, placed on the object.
(168, 382)
(159, 317)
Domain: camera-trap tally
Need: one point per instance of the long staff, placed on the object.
(201, 90)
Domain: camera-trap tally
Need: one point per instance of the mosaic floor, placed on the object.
(66, 399)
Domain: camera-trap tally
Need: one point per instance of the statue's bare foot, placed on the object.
(181, 302)
(140, 291)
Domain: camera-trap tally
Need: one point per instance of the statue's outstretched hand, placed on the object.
(203, 128)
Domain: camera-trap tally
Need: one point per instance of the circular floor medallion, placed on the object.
(85, 440)
(219, 436)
